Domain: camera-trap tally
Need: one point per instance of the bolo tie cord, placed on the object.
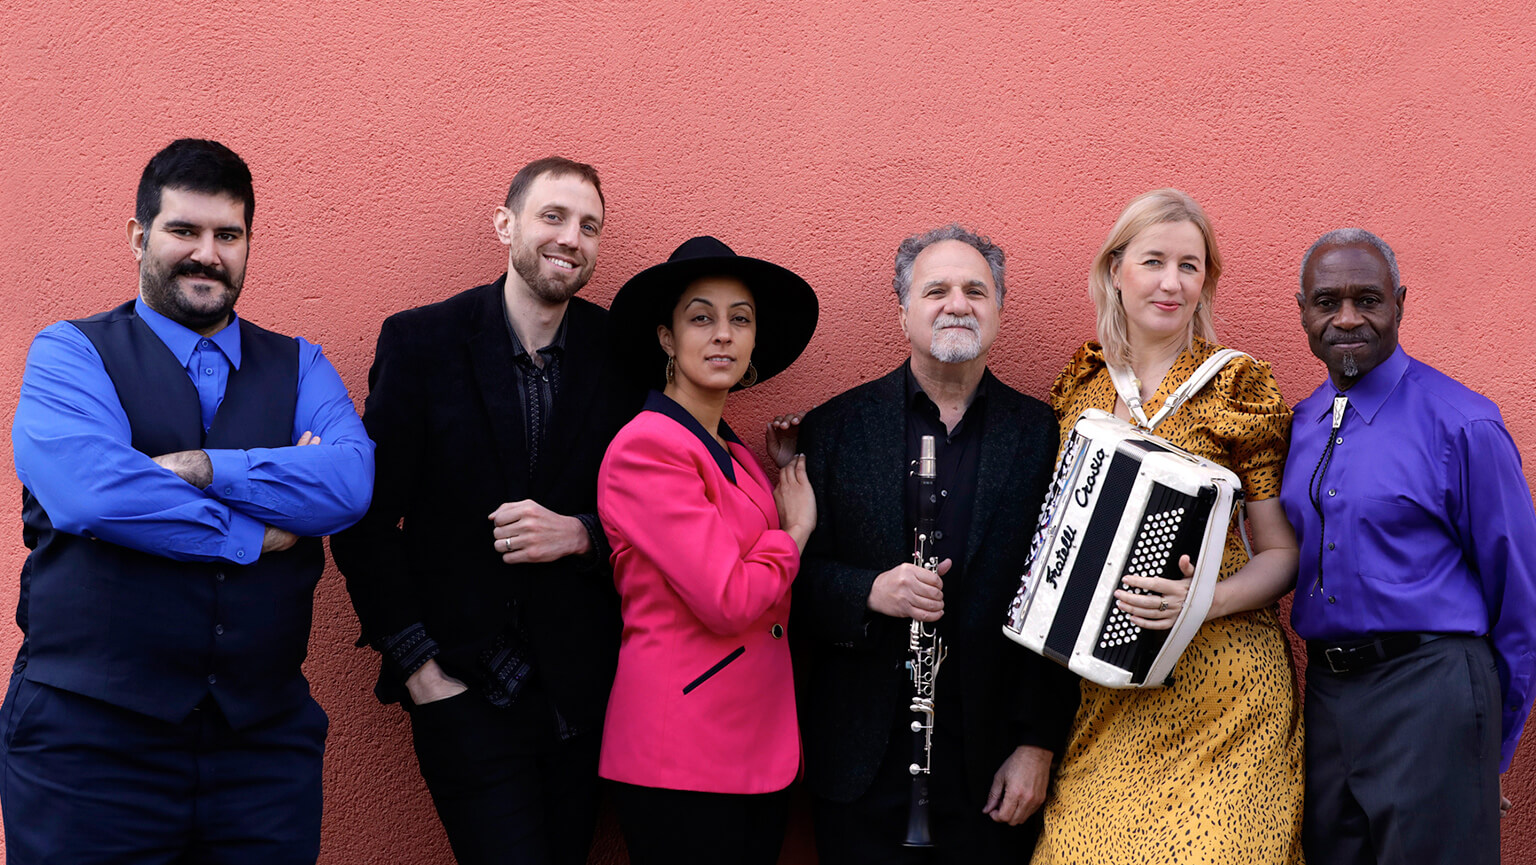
(1315, 484)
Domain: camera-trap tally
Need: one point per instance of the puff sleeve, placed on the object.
(1255, 426)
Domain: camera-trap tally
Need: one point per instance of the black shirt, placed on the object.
(958, 454)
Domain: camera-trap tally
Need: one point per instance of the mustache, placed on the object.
(1334, 337)
(206, 271)
(968, 322)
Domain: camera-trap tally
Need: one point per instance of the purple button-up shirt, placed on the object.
(1426, 521)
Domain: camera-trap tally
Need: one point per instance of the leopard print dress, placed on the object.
(1209, 769)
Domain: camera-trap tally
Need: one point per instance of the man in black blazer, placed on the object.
(1000, 712)
(480, 572)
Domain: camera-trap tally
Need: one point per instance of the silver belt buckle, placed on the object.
(1335, 656)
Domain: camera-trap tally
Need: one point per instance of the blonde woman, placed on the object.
(1208, 769)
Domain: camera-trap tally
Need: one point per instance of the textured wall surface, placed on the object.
(813, 133)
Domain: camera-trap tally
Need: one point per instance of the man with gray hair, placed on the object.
(1416, 590)
(1000, 713)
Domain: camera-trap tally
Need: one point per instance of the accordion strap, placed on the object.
(1129, 390)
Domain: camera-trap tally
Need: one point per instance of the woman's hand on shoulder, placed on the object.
(781, 437)
(796, 501)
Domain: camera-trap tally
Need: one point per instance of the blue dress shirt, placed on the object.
(1426, 521)
(72, 444)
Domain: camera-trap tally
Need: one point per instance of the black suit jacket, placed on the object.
(445, 415)
(854, 684)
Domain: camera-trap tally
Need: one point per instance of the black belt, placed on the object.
(1357, 655)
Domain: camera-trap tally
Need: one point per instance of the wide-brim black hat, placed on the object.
(786, 307)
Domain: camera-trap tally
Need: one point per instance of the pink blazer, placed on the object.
(703, 699)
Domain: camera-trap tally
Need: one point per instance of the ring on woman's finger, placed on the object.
(1163, 606)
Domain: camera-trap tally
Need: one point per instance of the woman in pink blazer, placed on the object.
(701, 739)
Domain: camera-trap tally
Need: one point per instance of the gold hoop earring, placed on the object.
(671, 368)
(750, 378)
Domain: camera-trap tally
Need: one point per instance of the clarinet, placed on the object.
(927, 654)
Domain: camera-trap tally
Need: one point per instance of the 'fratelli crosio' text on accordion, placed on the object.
(1123, 501)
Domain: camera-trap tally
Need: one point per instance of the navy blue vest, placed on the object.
(149, 633)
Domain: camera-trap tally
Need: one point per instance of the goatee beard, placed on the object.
(948, 347)
(1349, 366)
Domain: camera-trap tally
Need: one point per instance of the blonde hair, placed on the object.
(1153, 208)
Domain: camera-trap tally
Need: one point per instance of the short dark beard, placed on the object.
(526, 265)
(159, 290)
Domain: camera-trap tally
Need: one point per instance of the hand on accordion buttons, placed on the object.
(910, 592)
(1158, 606)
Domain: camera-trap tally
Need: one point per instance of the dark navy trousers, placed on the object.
(84, 782)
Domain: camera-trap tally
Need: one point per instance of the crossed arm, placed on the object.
(73, 447)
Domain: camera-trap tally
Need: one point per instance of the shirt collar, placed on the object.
(1370, 393)
(182, 341)
(556, 345)
(917, 397)
(660, 403)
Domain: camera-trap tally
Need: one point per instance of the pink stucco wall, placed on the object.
(812, 133)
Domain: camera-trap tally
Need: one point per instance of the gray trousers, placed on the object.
(1403, 759)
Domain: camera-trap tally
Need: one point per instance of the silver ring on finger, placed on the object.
(506, 545)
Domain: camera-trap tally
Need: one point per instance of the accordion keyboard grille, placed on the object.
(1166, 533)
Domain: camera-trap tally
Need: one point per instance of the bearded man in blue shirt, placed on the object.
(178, 466)
(1416, 590)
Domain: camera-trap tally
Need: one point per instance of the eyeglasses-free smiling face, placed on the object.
(192, 257)
(553, 238)
(1349, 310)
(1159, 278)
(713, 332)
(951, 313)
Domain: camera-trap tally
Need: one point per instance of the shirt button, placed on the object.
(1330, 545)
(944, 493)
(229, 491)
(203, 344)
(1339, 440)
(212, 679)
(219, 576)
(239, 554)
(938, 535)
(208, 370)
(218, 629)
(1331, 599)
(778, 631)
(1332, 493)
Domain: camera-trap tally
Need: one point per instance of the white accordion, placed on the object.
(1123, 501)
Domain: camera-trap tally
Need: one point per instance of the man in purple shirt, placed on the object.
(1416, 590)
